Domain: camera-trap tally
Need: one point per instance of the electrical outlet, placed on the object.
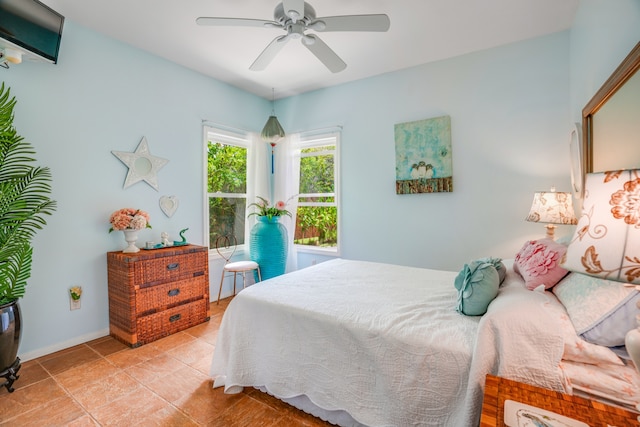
(74, 304)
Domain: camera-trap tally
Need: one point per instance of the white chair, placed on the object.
(226, 247)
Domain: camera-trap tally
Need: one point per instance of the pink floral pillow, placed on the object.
(538, 262)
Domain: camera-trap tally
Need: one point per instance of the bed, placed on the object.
(362, 343)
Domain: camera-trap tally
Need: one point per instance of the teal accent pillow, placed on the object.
(477, 286)
(499, 265)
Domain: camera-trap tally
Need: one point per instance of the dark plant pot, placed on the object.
(10, 328)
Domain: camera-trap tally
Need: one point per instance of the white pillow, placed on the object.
(602, 311)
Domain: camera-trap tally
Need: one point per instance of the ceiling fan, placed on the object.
(297, 16)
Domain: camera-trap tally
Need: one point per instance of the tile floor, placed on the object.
(163, 383)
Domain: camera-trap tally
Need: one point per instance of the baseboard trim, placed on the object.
(62, 345)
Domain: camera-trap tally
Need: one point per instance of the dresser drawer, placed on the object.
(159, 297)
(170, 268)
(172, 320)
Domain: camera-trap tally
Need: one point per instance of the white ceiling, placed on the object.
(421, 31)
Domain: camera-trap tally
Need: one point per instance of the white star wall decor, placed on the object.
(142, 165)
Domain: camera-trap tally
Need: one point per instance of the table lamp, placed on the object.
(552, 207)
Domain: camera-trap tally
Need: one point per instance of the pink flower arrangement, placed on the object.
(269, 211)
(129, 219)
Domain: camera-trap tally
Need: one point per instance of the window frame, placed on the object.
(320, 139)
(229, 137)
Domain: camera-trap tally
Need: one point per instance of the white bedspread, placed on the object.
(382, 342)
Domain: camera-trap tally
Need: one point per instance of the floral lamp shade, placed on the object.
(606, 243)
(552, 207)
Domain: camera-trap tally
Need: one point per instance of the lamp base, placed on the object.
(551, 229)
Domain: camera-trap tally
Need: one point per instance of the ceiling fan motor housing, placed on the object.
(280, 16)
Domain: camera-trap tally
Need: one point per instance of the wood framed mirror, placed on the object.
(610, 125)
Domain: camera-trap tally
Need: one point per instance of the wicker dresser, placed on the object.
(154, 293)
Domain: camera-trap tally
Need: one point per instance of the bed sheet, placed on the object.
(381, 342)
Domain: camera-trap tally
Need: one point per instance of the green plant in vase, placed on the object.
(24, 200)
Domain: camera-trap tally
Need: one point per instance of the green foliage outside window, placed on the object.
(226, 173)
(317, 225)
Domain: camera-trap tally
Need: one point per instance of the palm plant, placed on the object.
(24, 200)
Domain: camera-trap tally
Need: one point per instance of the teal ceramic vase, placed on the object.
(268, 246)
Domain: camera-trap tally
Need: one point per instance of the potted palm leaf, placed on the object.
(24, 200)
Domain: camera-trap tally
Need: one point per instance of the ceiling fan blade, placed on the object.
(222, 22)
(324, 53)
(270, 52)
(294, 9)
(351, 23)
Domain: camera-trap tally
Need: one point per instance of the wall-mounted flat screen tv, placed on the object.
(32, 26)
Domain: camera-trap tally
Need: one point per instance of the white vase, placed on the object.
(130, 236)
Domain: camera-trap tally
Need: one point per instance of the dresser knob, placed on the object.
(173, 292)
(174, 318)
(173, 266)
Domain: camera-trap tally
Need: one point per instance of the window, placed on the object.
(227, 155)
(317, 214)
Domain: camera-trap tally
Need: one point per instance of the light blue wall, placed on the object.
(602, 35)
(510, 122)
(103, 96)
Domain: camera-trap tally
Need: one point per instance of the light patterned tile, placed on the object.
(99, 393)
(107, 345)
(133, 356)
(172, 341)
(193, 352)
(26, 399)
(169, 417)
(248, 412)
(83, 421)
(176, 385)
(83, 375)
(132, 409)
(207, 331)
(54, 412)
(67, 359)
(30, 373)
(158, 367)
(203, 365)
(207, 402)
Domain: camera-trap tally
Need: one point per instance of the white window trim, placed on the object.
(234, 137)
(320, 139)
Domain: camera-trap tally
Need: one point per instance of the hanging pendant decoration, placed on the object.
(272, 132)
